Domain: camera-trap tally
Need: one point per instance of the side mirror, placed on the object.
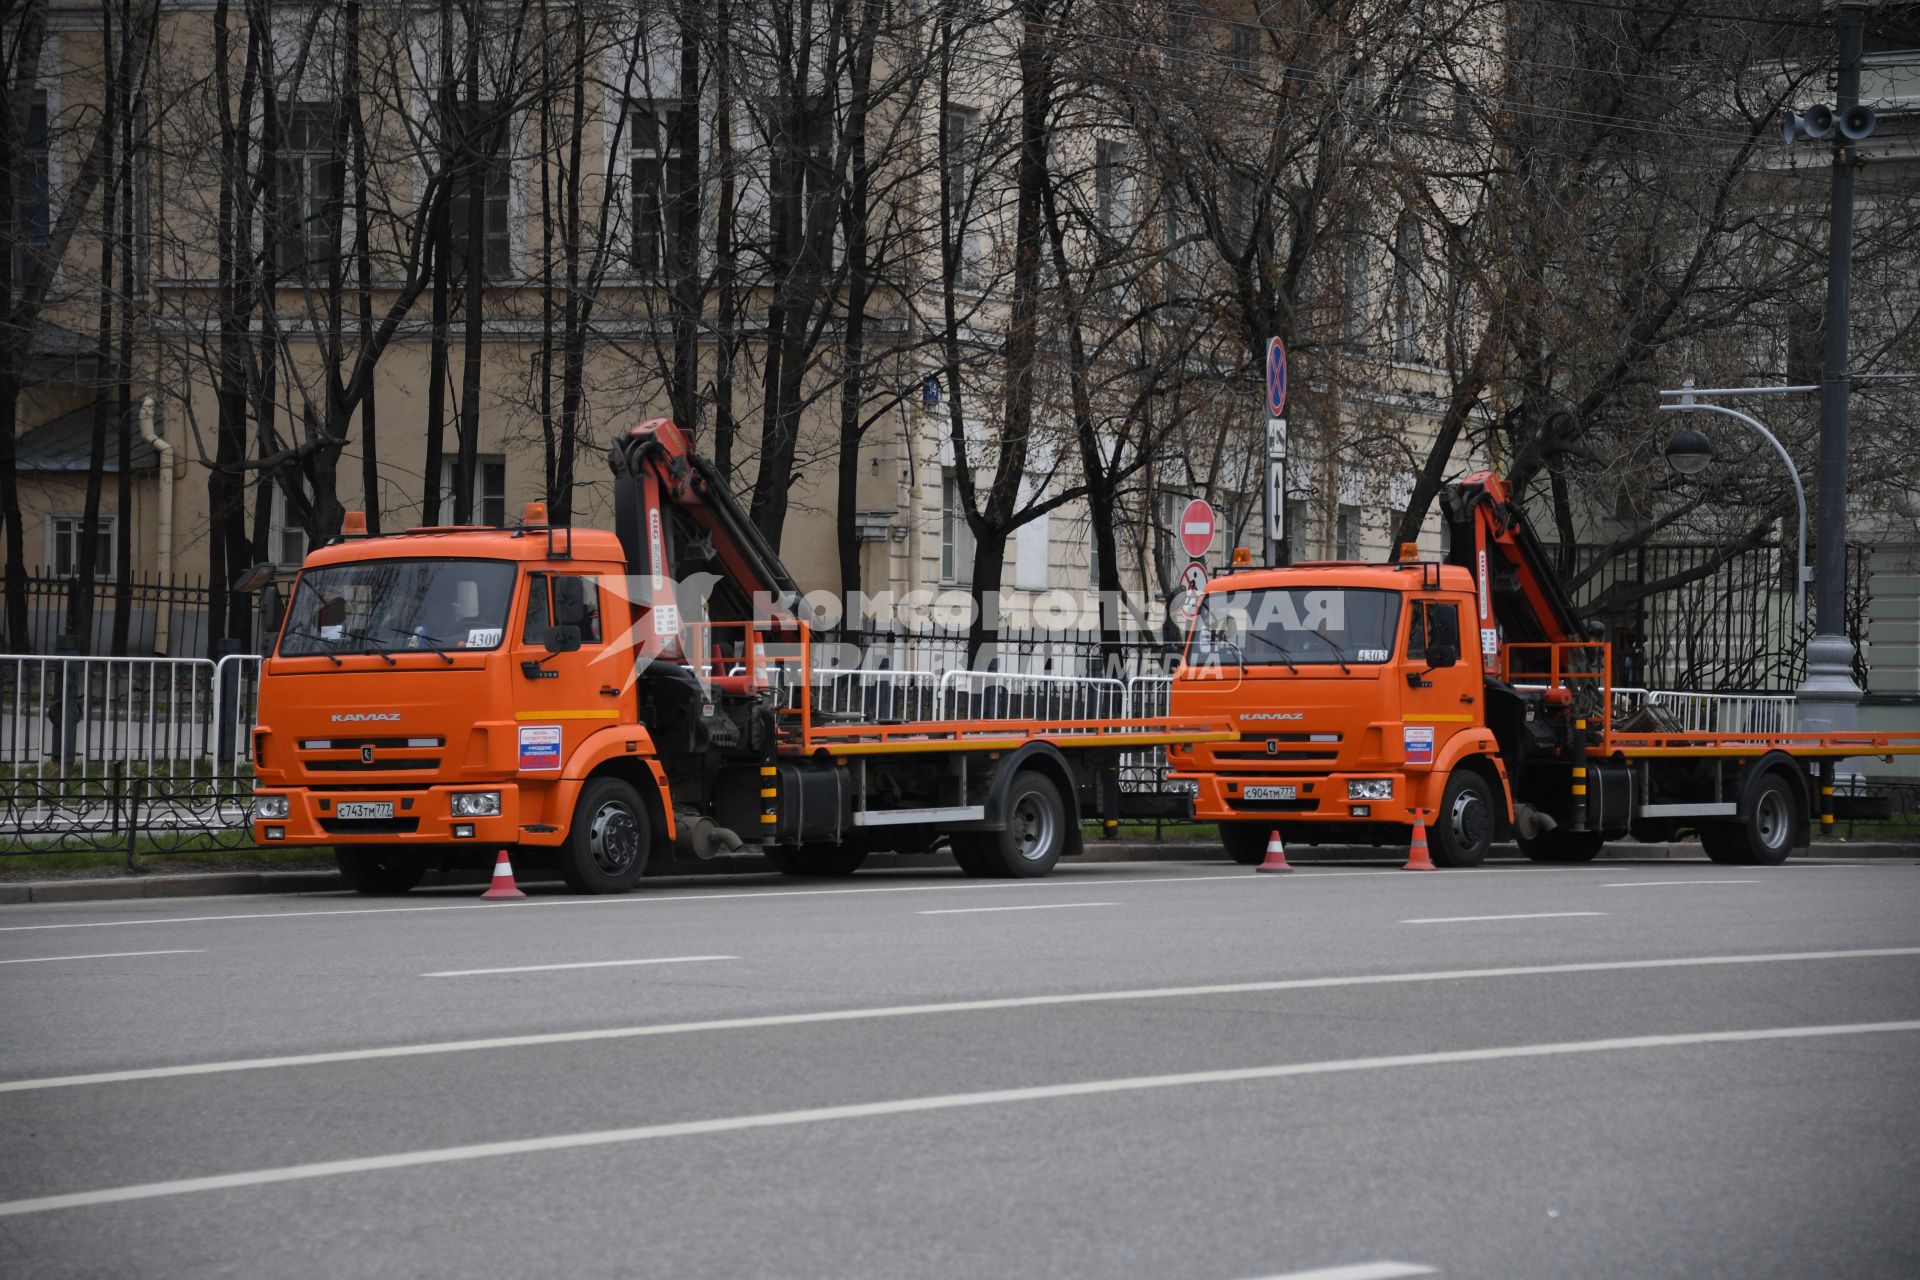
(1443, 655)
(562, 639)
(333, 613)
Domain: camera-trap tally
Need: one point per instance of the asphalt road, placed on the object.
(1152, 1070)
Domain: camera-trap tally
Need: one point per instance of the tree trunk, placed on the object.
(1023, 339)
(478, 157)
(363, 268)
(80, 591)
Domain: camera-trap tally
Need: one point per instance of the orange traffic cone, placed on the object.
(1276, 854)
(1419, 859)
(503, 885)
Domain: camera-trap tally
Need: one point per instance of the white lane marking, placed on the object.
(1033, 906)
(1662, 884)
(911, 1106)
(1309, 874)
(1525, 915)
(585, 964)
(107, 955)
(1360, 1271)
(912, 1010)
(1455, 876)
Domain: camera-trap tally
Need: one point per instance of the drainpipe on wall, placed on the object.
(165, 451)
(914, 547)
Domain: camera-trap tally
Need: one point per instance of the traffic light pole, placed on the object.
(1829, 699)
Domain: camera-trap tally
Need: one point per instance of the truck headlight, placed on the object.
(270, 806)
(476, 804)
(1370, 789)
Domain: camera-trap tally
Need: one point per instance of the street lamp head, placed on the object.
(1689, 452)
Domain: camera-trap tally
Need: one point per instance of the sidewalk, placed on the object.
(117, 883)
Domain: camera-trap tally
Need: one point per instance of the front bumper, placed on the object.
(1316, 798)
(421, 815)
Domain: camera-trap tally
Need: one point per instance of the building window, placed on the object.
(1408, 299)
(1299, 544)
(659, 186)
(65, 536)
(1346, 533)
(1393, 531)
(957, 164)
(489, 490)
(312, 174)
(1113, 194)
(1246, 47)
(286, 537)
(36, 192)
(1358, 312)
(496, 212)
(956, 535)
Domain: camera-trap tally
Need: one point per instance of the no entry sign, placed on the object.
(1196, 528)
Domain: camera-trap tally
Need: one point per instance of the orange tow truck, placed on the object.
(586, 697)
(1472, 696)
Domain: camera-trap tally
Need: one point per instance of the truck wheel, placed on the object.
(1764, 837)
(1563, 846)
(1035, 834)
(1463, 829)
(972, 852)
(816, 859)
(1245, 842)
(377, 868)
(606, 848)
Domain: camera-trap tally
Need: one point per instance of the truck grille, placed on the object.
(373, 766)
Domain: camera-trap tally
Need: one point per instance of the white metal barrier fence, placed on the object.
(1680, 711)
(161, 717)
(1146, 769)
(1013, 695)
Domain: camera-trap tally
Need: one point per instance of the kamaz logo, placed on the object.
(1273, 715)
(361, 716)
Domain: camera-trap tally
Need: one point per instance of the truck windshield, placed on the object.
(1285, 625)
(384, 606)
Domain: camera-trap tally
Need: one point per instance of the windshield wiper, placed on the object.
(432, 643)
(1280, 651)
(1339, 654)
(321, 653)
(376, 651)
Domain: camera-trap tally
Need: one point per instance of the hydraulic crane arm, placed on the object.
(675, 518)
(1521, 599)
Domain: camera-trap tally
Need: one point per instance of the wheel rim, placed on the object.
(614, 838)
(1032, 827)
(1469, 819)
(1770, 819)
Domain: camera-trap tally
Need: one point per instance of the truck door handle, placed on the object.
(1467, 698)
(608, 691)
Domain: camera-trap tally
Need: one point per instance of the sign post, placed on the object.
(1277, 549)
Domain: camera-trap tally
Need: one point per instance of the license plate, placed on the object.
(1269, 793)
(365, 809)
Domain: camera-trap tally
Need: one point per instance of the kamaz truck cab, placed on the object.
(1354, 704)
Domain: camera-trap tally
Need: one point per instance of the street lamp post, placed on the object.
(1689, 452)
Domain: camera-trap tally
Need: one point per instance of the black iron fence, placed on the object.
(1734, 628)
(165, 617)
(125, 811)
